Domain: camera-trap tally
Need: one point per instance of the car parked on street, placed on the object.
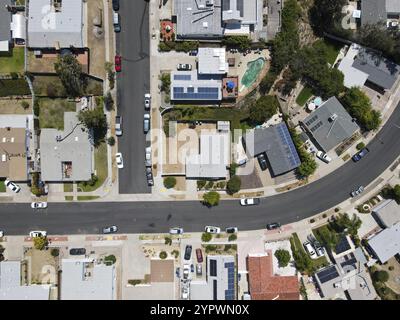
(39, 205)
(249, 201)
(147, 99)
(111, 229)
(176, 230)
(361, 154)
(184, 67)
(12, 186)
(118, 126)
(146, 122)
(323, 156)
(262, 161)
(119, 160)
(231, 230)
(118, 63)
(115, 5)
(77, 251)
(36, 234)
(273, 225)
(188, 252)
(116, 23)
(147, 158)
(1, 233)
(357, 191)
(212, 229)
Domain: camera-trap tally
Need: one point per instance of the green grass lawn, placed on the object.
(304, 95)
(68, 187)
(83, 198)
(51, 112)
(2, 185)
(69, 198)
(14, 62)
(332, 48)
(100, 165)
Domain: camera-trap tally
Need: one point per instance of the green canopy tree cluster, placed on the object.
(263, 109)
(70, 73)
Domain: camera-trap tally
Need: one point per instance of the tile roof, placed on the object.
(264, 285)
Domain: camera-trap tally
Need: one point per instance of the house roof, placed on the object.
(49, 28)
(212, 61)
(13, 147)
(373, 11)
(5, 20)
(388, 212)
(75, 148)
(327, 129)
(386, 243)
(278, 145)
(264, 285)
(162, 270)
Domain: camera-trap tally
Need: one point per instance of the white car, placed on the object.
(249, 201)
(323, 156)
(147, 98)
(1, 233)
(148, 157)
(12, 186)
(39, 205)
(310, 250)
(119, 160)
(176, 231)
(36, 234)
(211, 229)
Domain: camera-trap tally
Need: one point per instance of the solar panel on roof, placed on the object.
(203, 93)
(327, 274)
(215, 295)
(343, 245)
(213, 267)
(182, 77)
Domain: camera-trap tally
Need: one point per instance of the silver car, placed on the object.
(146, 122)
(111, 229)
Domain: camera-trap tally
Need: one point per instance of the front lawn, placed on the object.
(13, 61)
(304, 95)
(100, 165)
(68, 187)
(2, 185)
(14, 87)
(86, 198)
(51, 112)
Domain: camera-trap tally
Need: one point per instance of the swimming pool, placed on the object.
(253, 70)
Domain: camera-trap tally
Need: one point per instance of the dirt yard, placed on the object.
(14, 106)
(43, 266)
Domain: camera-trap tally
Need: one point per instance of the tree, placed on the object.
(267, 82)
(201, 184)
(169, 182)
(308, 164)
(206, 237)
(108, 101)
(168, 241)
(211, 198)
(328, 238)
(25, 104)
(325, 15)
(55, 252)
(111, 141)
(360, 146)
(96, 121)
(233, 185)
(283, 257)
(381, 276)
(165, 82)
(163, 255)
(40, 242)
(241, 42)
(111, 259)
(264, 108)
(232, 237)
(396, 193)
(70, 73)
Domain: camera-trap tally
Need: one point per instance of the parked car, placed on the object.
(231, 230)
(1, 233)
(211, 229)
(184, 67)
(119, 160)
(249, 201)
(118, 63)
(12, 186)
(273, 225)
(39, 205)
(199, 270)
(36, 234)
(357, 191)
(115, 5)
(111, 229)
(176, 230)
(148, 157)
(199, 255)
(186, 270)
(77, 251)
(118, 125)
(193, 52)
(146, 122)
(150, 181)
(361, 154)
(262, 161)
(116, 23)
(323, 156)
(147, 99)
(307, 245)
(188, 252)
(178, 272)
(319, 249)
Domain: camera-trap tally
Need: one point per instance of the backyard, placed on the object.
(2, 185)
(304, 95)
(12, 62)
(14, 87)
(51, 112)
(101, 171)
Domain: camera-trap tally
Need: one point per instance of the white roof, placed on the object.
(212, 61)
(388, 212)
(4, 46)
(352, 76)
(386, 244)
(18, 26)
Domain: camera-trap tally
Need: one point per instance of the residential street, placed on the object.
(133, 83)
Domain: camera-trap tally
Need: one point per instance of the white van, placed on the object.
(117, 26)
(310, 250)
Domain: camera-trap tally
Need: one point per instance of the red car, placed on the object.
(199, 255)
(118, 61)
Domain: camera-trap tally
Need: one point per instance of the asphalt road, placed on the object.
(133, 44)
(138, 217)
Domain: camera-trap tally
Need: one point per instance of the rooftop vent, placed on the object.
(333, 117)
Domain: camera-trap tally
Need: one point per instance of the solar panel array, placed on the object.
(203, 93)
(343, 245)
(308, 122)
(319, 124)
(230, 293)
(327, 274)
(285, 137)
(182, 77)
(213, 268)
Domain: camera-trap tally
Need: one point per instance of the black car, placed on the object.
(188, 252)
(115, 5)
(77, 251)
(274, 225)
(361, 154)
(262, 161)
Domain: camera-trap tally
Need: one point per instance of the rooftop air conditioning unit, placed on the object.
(333, 117)
(209, 3)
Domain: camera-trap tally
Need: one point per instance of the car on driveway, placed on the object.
(273, 225)
(212, 229)
(36, 234)
(147, 100)
(262, 161)
(119, 160)
(111, 229)
(184, 67)
(249, 201)
(39, 205)
(12, 186)
(146, 122)
(77, 251)
(193, 52)
(176, 230)
(118, 63)
(115, 5)
(309, 249)
(361, 154)
(323, 156)
(231, 230)
(147, 158)
(357, 191)
(188, 252)
(118, 126)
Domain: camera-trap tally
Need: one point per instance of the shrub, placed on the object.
(51, 90)
(111, 141)
(227, 247)
(169, 182)
(360, 146)
(201, 184)
(206, 237)
(36, 108)
(111, 259)
(175, 253)
(232, 237)
(283, 257)
(324, 215)
(210, 248)
(55, 252)
(40, 243)
(233, 185)
(381, 276)
(24, 104)
(209, 185)
(108, 101)
(134, 282)
(211, 198)
(232, 169)
(163, 255)
(391, 268)
(337, 209)
(312, 220)
(168, 240)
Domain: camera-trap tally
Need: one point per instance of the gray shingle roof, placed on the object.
(386, 244)
(5, 20)
(388, 212)
(329, 133)
(373, 11)
(278, 145)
